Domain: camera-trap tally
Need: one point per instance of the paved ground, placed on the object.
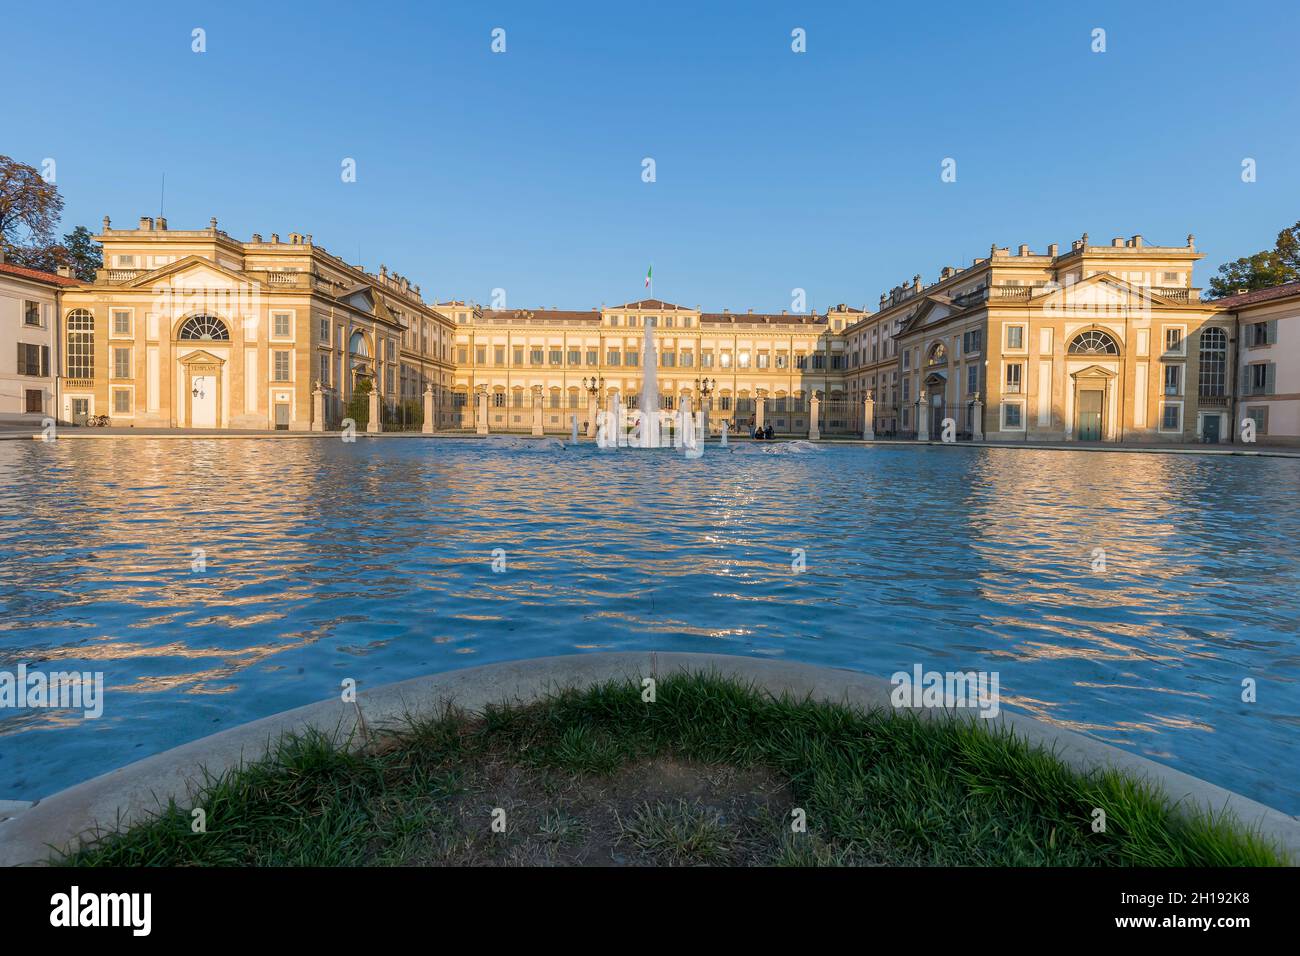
(16, 432)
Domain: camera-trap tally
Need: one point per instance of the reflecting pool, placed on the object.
(1126, 596)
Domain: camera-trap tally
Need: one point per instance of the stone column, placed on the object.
(376, 423)
(481, 405)
(868, 418)
(923, 417)
(318, 408)
(814, 411)
(428, 410)
(976, 419)
(537, 410)
(592, 408)
(758, 409)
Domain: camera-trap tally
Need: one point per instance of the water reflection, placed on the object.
(372, 560)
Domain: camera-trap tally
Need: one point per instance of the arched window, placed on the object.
(1093, 342)
(938, 353)
(1214, 361)
(357, 345)
(80, 324)
(204, 328)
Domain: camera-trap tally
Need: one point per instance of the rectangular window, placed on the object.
(907, 360)
(972, 341)
(593, 356)
(480, 355)
(462, 355)
(742, 359)
(31, 313)
(121, 322)
(782, 359)
(1015, 336)
(35, 401)
(668, 360)
(907, 389)
(1013, 377)
(613, 357)
(801, 361)
(1174, 340)
(972, 379)
(763, 359)
(499, 355)
(725, 403)
(325, 370)
(557, 356)
(1172, 419)
(724, 360)
(122, 363)
(81, 344)
(688, 359)
(1013, 417)
(280, 325)
(1262, 333)
(706, 360)
(633, 357)
(519, 355)
(537, 356)
(325, 331)
(818, 360)
(33, 359)
(575, 357)
(1173, 374)
(1260, 415)
(281, 366)
(1260, 378)
(121, 401)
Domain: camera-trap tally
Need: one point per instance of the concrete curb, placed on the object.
(131, 793)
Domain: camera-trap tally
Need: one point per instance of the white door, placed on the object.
(203, 401)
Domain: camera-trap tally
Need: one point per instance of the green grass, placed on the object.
(876, 787)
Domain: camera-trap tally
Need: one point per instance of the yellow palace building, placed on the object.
(1099, 342)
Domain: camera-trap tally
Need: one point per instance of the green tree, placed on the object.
(84, 254)
(1263, 270)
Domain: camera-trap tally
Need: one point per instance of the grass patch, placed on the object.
(707, 775)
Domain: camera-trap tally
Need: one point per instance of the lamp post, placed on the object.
(704, 387)
(593, 386)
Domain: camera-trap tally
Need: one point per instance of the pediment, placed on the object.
(1093, 371)
(201, 357)
(191, 272)
(1101, 291)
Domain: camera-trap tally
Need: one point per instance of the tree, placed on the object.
(1275, 266)
(84, 254)
(30, 207)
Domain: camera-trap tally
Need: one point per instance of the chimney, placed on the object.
(257, 237)
(108, 223)
(65, 271)
(1117, 241)
(1024, 249)
(1137, 241)
(146, 224)
(162, 224)
(275, 237)
(1052, 250)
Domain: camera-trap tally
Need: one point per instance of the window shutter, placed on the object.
(1272, 332)
(1270, 379)
(45, 361)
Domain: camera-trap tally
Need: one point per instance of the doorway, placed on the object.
(1090, 403)
(1210, 429)
(203, 401)
(281, 417)
(80, 410)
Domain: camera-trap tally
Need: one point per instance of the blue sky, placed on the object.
(775, 170)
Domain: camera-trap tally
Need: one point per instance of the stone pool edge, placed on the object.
(131, 793)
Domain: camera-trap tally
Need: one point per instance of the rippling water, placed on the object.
(373, 560)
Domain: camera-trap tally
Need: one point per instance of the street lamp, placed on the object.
(594, 385)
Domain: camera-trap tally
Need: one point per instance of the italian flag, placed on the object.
(647, 276)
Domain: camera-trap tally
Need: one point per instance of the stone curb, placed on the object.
(131, 793)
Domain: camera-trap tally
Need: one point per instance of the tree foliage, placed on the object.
(30, 208)
(1262, 270)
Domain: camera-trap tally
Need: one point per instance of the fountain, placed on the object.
(684, 432)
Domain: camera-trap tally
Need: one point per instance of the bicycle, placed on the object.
(99, 421)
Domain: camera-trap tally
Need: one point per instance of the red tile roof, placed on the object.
(1259, 295)
(37, 275)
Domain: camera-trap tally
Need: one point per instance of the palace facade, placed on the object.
(1107, 342)
(196, 329)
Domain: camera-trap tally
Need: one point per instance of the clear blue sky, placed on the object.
(775, 170)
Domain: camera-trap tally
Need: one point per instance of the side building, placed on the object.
(197, 329)
(1268, 329)
(1098, 343)
(29, 318)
